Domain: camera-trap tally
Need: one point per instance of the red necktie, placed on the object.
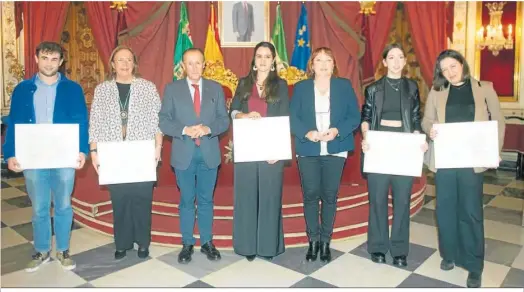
(196, 103)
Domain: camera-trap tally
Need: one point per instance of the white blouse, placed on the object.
(322, 113)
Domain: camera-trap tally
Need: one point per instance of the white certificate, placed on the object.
(39, 146)
(262, 139)
(126, 162)
(462, 145)
(394, 153)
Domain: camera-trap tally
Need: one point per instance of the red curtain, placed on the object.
(43, 21)
(427, 21)
(151, 32)
(103, 23)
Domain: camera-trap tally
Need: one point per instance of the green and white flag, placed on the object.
(279, 41)
(183, 42)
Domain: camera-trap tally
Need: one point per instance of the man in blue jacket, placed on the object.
(48, 98)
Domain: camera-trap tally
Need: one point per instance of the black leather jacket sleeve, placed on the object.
(415, 111)
(367, 106)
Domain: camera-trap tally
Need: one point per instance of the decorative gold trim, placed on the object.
(292, 75)
(215, 70)
(226, 44)
(517, 48)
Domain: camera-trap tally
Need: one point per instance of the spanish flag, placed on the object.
(212, 52)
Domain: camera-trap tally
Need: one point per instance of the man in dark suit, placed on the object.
(243, 21)
(194, 113)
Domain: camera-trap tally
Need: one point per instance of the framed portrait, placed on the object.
(243, 24)
(503, 68)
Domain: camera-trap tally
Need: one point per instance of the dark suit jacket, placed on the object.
(280, 108)
(243, 23)
(178, 111)
(344, 115)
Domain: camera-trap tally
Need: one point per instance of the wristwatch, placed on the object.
(93, 150)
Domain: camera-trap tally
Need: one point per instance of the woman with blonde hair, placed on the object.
(323, 115)
(125, 108)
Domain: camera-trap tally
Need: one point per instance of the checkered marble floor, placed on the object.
(350, 267)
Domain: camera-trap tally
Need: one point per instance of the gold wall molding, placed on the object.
(11, 67)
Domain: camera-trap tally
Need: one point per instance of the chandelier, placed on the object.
(494, 38)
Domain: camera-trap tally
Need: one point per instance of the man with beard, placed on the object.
(48, 98)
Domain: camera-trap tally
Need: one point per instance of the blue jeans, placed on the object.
(40, 183)
(196, 181)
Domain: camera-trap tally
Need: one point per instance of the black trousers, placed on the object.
(378, 227)
(257, 217)
(132, 205)
(460, 217)
(320, 177)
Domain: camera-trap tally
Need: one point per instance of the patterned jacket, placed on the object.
(142, 124)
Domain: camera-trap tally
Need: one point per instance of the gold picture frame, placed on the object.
(258, 17)
(516, 47)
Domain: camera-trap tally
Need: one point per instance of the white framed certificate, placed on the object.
(262, 139)
(126, 162)
(394, 153)
(464, 145)
(41, 146)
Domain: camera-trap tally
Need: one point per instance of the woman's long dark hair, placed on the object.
(271, 82)
(439, 81)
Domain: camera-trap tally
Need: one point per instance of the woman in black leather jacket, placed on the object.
(392, 104)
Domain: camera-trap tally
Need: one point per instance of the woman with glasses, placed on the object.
(125, 108)
(323, 115)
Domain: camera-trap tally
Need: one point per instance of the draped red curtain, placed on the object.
(103, 23)
(43, 21)
(376, 28)
(427, 22)
(151, 32)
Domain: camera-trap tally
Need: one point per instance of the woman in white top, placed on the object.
(125, 108)
(323, 115)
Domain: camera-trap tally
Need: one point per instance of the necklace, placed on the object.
(395, 86)
(460, 86)
(260, 86)
(123, 111)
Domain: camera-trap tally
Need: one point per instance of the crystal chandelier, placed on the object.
(494, 39)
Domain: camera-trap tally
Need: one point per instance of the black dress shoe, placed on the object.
(143, 252)
(210, 251)
(378, 257)
(251, 257)
(120, 254)
(312, 251)
(400, 261)
(474, 280)
(447, 265)
(184, 256)
(325, 252)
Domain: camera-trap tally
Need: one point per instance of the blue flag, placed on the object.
(302, 49)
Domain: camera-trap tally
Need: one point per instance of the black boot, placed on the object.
(474, 280)
(325, 253)
(312, 251)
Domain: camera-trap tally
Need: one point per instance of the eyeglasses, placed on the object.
(124, 61)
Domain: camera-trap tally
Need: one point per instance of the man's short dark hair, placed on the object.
(50, 47)
(193, 50)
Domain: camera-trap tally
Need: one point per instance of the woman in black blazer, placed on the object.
(391, 104)
(323, 115)
(257, 216)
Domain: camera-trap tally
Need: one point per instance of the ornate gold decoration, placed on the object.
(494, 39)
(215, 70)
(12, 71)
(119, 5)
(292, 75)
(82, 61)
(367, 7)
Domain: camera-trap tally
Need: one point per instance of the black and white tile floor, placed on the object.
(350, 267)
